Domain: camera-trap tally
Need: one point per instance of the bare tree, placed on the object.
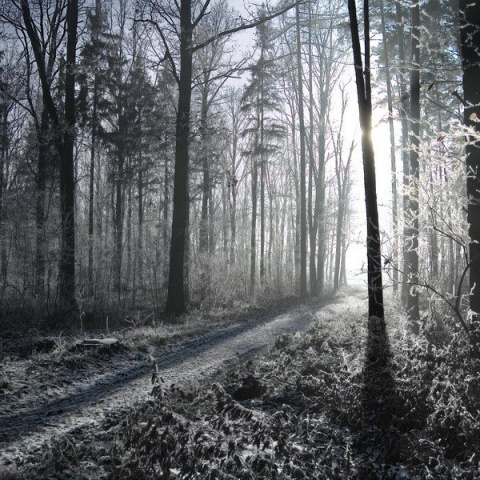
(362, 76)
(63, 142)
(188, 19)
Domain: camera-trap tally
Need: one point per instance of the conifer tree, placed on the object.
(261, 102)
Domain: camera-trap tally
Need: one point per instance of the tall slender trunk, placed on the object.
(225, 220)
(204, 242)
(165, 218)
(118, 224)
(253, 231)
(211, 222)
(141, 281)
(233, 211)
(320, 200)
(262, 210)
(129, 235)
(393, 160)
(338, 244)
(91, 191)
(40, 205)
(405, 134)
(375, 289)
(271, 235)
(303, 192)
(263, 159)
(67, 171)
(411, 254)
(313, 221)
(3, 160)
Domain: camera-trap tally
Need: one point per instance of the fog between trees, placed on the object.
(138, 172)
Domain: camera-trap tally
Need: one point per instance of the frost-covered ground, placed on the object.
(41, 398)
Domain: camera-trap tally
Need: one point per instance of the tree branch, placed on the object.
(168, 55)
(201, 14)
(246, 26)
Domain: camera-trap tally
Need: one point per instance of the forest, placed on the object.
(177, 173)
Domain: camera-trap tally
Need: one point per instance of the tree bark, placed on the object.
(404, 122)
(3, 159)
(40, 206)
(91, 185)
(176, 297)
(303, 187)
(375, 289)
(253, 231)
(64, 145)
(470, 42)
(141, 280)
(393, 160)
(204, 242)
(67, 171)
(312, 219)
(411, 254)
(118, 224)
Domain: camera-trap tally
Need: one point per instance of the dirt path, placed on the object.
(27, 424)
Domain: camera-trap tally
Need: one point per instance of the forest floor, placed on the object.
(313, 391)
(53, 387)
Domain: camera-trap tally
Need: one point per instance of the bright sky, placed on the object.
(357, 252)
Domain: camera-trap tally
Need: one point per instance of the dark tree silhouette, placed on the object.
(176, 297)
(64, 143)
(362, 77)
(470, 45)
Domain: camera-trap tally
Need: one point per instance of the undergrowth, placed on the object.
(316, 407)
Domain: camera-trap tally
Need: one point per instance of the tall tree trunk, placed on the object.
(211, 222)
(233, 211)
(64, 144)
(393, 160)
(3, 160)
(141, 281)
(253, 231)
(93, 147)
(91, 191)
(67, 171)
(374, 261)
(320, 199)
(411, 254)
(118, 224)
(206, 187)
(404, 123)
(303, 192)
(129, 263)
(165, 215)
(262, 207)
(176, 297)
(263, 159)
(470, 42)
(338, 244)
(40, 206)
(313, 220)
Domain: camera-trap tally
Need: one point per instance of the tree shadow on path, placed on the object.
(378, 436)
